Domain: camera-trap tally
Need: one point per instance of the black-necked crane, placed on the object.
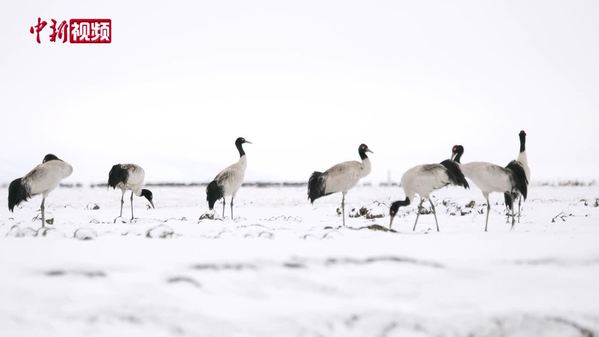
(339, 178)
(522, 159)
(43, 179)
(129, 177)
(229, 180)
(493, 178)
(422, 180)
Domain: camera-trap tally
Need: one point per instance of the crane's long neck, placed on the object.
(242, 162)
(366, 166)
(458, 157)
(522, 158)
(240, 149)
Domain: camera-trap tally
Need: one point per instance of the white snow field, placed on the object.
(284, 268)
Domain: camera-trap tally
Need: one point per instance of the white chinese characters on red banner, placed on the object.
(90, 30)
(76, 30)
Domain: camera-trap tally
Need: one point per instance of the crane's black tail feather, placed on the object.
(117, 175)
(455, 174)
(213, 193)
(316, 186)
(17, 193)
(519, 180)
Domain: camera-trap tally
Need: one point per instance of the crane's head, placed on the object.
(241, 140)
(49, 157)
(395, 207)
(238, 144)
(456, 152)
(522, 136)
(362, 149)
(148, 195)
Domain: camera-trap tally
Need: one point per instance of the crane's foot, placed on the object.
(120, 219)
(48, 221)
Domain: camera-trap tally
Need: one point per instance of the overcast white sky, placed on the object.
(306, 81)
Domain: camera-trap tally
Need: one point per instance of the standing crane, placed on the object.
(339, 178)
(422, 180)
(493, 178)
(43, 179)
(229, 180)
(129, 177)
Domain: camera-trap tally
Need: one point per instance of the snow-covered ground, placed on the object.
(283, 267)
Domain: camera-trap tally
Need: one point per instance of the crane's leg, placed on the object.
(513, 216)
(131, 205)
(418, 213)
(434, 213)
(519, 207)
(232, 197)
(43, 209)
(122, 203)
(507, 209)
(224, 201)
(488, 211)
(343, 207)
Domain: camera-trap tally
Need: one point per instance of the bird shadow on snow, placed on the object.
(92, 274)
(311, 263)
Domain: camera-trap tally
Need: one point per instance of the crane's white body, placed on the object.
(423, 180)
(135, 179)
(344, 176)
(45, 177)
(488, 177)
(231, 178)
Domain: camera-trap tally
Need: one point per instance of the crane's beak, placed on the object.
(391, 221)
(152, 203)
(248, 142)
(368, 150)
